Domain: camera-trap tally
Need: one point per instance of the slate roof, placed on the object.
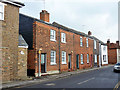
(13, 2)
(77, 32)
(69, 29)
(57, 25)
(22, 42)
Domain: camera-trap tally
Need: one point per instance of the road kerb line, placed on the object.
(86, 81)
(116, 86)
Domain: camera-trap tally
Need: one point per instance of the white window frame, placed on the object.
(2, 12)
(95, 56)
(52, 35)
(87, 42)
(64, 57)
(81, 58)
(95, 44)
(53, 57)
(87, 58)
(81, 41)
(63, 37)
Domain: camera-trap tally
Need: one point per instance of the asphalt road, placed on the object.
(102, 78)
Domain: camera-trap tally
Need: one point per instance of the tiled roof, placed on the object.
(13, 2)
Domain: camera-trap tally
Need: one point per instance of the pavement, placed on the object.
(48, 78)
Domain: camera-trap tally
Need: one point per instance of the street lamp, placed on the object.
(39, 62)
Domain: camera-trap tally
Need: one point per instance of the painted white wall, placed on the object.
(118, 55)
(104, 51)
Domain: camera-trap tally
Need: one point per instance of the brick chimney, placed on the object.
(108, 41)
(44, 15)
(89, 33)
(117, 42)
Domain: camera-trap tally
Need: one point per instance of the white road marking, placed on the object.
(50, 84)
(86, 81)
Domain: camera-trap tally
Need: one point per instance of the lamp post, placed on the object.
(39, 62)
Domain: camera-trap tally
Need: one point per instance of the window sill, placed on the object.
(82, 63)
(63, 42)
(64, 63)
(87, 62)
(53, 64)
(53, 40)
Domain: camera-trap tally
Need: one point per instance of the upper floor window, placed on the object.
(82, 59)
(81, 42)
(53, 57)
(1, 11)
(94, 44)
(52, 35)
(63, 37)
(63, 57)
(87, 58)
(87, 42)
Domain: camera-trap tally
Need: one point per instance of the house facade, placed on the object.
(9, 26)
(54, 48)
(113, 52)
(104, 54)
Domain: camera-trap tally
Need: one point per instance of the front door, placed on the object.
(43, 63)
(91, 60)
(77, 61)
(69, 61)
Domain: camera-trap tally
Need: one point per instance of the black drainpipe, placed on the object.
(59, 50)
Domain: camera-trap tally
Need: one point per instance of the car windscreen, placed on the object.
(118, 64)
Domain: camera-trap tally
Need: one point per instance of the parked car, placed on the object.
(116, 67)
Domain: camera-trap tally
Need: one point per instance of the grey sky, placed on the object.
(98, 16)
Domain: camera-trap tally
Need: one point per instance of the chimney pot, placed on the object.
(89, 33)
(117, 42)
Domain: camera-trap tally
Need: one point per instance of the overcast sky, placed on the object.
(98, 16)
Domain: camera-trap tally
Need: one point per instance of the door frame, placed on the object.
(45, 57)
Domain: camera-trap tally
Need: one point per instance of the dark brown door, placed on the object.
(69, 61)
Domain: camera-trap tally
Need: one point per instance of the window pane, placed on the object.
(1, 16)
(53, 56)
(1, 8)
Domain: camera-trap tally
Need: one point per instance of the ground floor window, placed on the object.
(53, 57)
(87, 58)
(104, 58)
(82, 59)
(63, 57)
(95, 58)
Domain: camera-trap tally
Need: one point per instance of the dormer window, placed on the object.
(1, 11)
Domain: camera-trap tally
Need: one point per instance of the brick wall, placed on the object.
(83, 50)
(10, 28)
(112, 56)
(22, 63)
(41, 39)
(5, 64)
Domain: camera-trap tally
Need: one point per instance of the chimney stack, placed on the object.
(89, 33)
(44, 15)
(117, 42)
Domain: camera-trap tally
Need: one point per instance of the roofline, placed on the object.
(69, 29)
(16, 3)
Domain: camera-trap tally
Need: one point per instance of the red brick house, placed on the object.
(54, 48)
(113, 52)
